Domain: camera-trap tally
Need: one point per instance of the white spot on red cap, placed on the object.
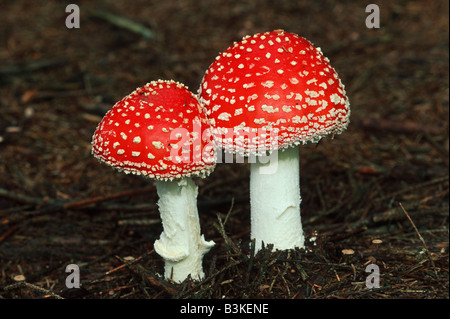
(224, 116)
(136, 139)
(335, 98)
(267, 84)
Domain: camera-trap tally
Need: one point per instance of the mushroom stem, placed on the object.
(180, 243)
(275, 201)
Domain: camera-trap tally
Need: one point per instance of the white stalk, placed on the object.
(180, 244)
(275, 201)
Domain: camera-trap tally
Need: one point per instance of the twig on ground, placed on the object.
(52, 205)
(421, 238)
(24, 284)
(8, 233)
(124, 23)
(414, 188)
(396, 126)
(228, 242)
(229, 211)
(30, 66)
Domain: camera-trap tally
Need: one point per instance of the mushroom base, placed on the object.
(180, 244)
(275, 201)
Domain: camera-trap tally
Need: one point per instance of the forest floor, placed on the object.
(378, 194)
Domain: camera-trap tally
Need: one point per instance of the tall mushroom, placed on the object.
(271, 92)
(159, 131)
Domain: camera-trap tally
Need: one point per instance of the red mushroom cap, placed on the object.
(274, 82)
(159, 131)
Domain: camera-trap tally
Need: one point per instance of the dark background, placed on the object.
(58, 205)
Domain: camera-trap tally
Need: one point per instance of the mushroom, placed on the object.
(159, 131)
(265, 95)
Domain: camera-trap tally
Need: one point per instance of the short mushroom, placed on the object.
(159, 131)
(267, 93)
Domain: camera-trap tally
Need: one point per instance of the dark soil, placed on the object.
(379, 191)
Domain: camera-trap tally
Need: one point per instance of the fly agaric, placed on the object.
(267, 94)
(159, 131)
